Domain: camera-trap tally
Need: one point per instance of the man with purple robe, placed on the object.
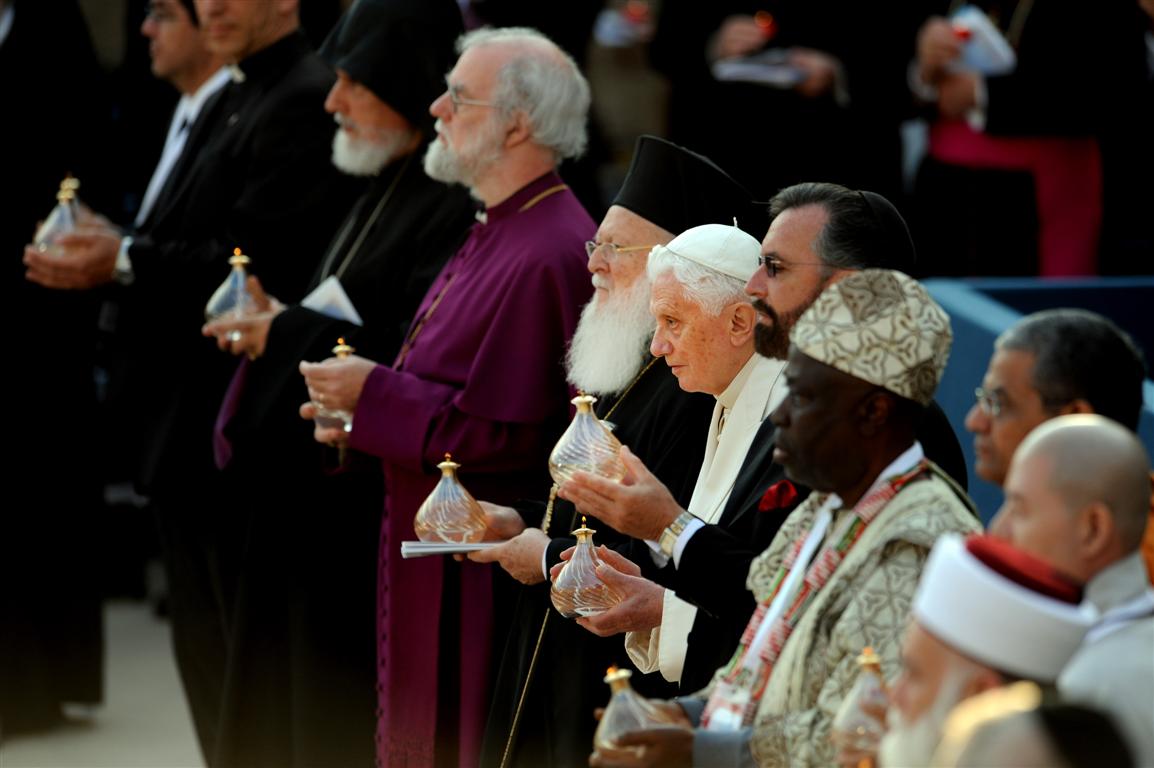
(479, 376)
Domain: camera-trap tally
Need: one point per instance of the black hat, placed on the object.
(889, 246)
(398, 49)
(677, 189)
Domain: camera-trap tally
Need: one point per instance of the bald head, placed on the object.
(1077, 494)
(1094, 459)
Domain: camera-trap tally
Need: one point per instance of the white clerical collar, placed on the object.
(235, 72)
(6, 22)
(906, 461)
(733, 391)
(191, 104)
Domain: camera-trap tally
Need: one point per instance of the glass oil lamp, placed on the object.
(627, 711)
(587, 445)
(450, 513)
(335, 418)
(62, 218)
(853, 728)
(232, 301)
(578, 591)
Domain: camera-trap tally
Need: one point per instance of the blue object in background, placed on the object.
(981, 308)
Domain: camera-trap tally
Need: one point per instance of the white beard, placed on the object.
(611, 339)
(914, 744)
(358, 156)
(468, 162)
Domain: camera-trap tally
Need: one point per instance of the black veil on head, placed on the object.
(398, 49)
(676, 189)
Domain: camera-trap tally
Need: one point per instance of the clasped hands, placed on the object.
(639, 506)
(938, 48)
(335, 383)
(78, 260)
(247, 335)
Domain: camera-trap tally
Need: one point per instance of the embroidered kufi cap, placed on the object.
(676, 189)
(1000, 607)
(724, 249)
(879, 326)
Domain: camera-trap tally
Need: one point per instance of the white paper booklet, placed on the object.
(423, 548)
(986, 51)
(329, 298)
(769, 67)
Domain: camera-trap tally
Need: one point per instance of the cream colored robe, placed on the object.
(754, 392)
(1113, 670)
(866, 602)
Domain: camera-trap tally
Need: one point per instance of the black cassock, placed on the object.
(300, 688)
(667, 429)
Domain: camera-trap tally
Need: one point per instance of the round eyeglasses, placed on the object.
(612, 249)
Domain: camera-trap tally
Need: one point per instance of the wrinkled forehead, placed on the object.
(475, 73)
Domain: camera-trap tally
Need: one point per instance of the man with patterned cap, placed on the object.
(301, 656)
(556, 664)
(841, 573)
(984, 614)
(818, 233)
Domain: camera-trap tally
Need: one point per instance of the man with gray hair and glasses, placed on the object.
(480, 375)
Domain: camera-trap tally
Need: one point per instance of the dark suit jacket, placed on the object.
(713, 567)
(256, 175)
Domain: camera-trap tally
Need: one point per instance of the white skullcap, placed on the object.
(981, 608)
(719, 247)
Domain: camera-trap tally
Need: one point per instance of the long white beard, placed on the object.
(611, 339)
(469, 161)
(914, 744)
(358, 156)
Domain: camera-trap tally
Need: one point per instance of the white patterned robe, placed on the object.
(866, 602)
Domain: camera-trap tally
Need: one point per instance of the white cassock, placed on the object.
(754, 392)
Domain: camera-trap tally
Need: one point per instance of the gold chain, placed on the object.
(545, 522)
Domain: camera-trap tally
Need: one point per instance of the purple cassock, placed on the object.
(482, 379)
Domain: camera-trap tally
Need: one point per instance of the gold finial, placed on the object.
(448, 457)
(237, 258)
(342, 350)
(584, 530)
(70, 182)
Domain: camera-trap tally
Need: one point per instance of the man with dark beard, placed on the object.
(818, 234)
(554, 662)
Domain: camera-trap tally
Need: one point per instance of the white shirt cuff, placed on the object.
(659, 557)
(692, 527)
(122, 271)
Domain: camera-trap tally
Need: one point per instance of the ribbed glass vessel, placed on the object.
(627, 711)
(232, 301)
(335, 418)
(577, 590)
(853, 729)
(450, 513)
(587, 445)
(61, 219)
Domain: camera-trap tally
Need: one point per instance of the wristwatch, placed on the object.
(672, 531)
